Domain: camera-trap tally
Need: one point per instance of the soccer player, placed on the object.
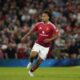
(46, 32)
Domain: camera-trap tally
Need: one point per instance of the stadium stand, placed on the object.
(18, 16)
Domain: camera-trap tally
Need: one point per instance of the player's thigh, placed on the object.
(35, 50)
(33, 54)
(43, 53)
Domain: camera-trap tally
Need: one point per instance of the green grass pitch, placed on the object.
(46, 73)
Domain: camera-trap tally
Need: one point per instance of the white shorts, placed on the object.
(42, 51)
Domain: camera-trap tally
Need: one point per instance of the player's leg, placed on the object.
(42, 54)
(36, 65)
(33, 54)
(39, 60)
(43, 51)
(31, 58)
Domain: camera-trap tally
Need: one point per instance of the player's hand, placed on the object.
(46, 40)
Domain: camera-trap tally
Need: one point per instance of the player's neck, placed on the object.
(45, 22)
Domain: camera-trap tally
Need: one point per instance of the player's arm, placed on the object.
(33, 29)
(54, 36)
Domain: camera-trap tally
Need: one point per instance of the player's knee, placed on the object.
(33, 54)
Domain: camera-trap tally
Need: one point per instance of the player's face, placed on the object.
(45, 17)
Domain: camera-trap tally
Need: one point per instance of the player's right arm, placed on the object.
(33, 29)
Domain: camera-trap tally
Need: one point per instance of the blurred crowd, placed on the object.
(18, 16)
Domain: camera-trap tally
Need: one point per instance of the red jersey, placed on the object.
(44, 31)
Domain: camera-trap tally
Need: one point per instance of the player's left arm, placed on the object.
(54, 36)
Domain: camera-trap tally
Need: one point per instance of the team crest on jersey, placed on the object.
(43, 32)
(40, 28)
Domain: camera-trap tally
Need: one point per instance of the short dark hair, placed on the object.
(47, 12)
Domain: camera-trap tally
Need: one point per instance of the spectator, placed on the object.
(18, 16)
(1, 54)
(21, 51)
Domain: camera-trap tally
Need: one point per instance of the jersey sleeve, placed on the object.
(55, 30)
